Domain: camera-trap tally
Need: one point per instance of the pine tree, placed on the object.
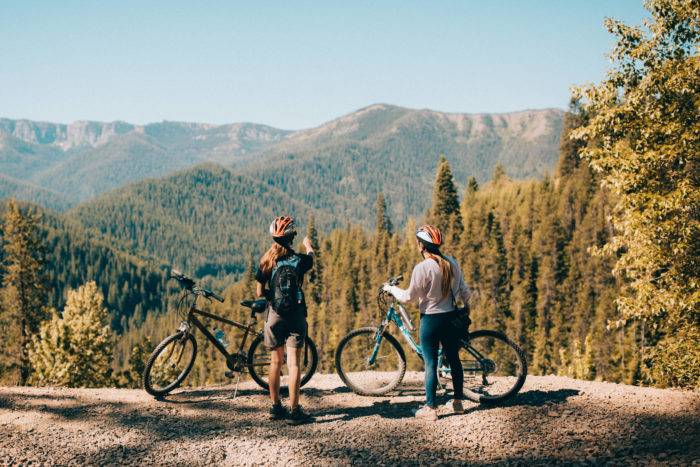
(315, 276)
(472, 186)
(445, 210)
(75, 349)
(23, 295)
(643, 138)
(249, 277)
(382, 221)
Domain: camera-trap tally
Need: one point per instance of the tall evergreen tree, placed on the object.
(23, 293)
(315, 275)
(445, 210)
(382, 221)
(472, 186)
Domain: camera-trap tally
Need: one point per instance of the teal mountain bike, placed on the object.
(372, 362)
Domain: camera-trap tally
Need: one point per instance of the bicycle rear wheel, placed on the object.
(259, 363)
(494, 367)
(169, 364)
(352, 362)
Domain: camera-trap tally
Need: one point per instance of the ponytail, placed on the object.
(271, 256)
(445, 269)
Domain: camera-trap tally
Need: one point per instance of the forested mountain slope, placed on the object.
(344, 164)
(377, 148)
(131, 286)
(84, 159)
(206, 220)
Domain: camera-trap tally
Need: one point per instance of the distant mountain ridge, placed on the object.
(61, 165)
(94, 133)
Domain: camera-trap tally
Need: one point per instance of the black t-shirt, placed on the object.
(306, 262)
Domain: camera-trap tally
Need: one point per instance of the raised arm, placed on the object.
(307, 244)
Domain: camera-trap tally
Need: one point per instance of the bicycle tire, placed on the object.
(147, 383)
(262, 382)
(521, 376)
(343, 373)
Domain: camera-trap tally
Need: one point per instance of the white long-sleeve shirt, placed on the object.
(426, 287)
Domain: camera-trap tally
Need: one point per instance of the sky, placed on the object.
(295, 64)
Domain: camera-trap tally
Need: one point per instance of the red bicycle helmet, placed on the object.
(429, 234)
(283, 227)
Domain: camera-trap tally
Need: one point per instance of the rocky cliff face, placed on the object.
(65, 136)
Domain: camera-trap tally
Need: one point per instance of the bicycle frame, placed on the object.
(393, 317)
(248, 329)
(231, 358)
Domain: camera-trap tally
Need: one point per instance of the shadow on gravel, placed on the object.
(199, 396)
(384, 409)
(597, 436)
(539, 398)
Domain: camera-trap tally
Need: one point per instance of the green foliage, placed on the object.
(382, 222)
(75, 349)
(445, 210)
(200, 220)
(23, 294)
(131, 286)
(643, 136)
(131, 376)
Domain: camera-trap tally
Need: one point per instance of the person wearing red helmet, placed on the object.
(436, 282)
(280, 276)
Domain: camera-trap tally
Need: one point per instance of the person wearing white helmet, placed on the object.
(280, 277)
(436, 282)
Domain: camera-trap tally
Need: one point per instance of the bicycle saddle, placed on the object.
(258, 306)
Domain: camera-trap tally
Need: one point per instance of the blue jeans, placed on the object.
(435, 330)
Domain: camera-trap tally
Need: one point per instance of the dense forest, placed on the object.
(132, 287)
(592, 269)
(525, 248)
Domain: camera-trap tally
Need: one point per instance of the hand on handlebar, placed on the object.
(386, 288)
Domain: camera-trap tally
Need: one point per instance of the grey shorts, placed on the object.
(289, 331)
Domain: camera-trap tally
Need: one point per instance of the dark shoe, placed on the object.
(278, 412)
(298, 416)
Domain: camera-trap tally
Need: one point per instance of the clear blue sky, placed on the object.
(295, 64)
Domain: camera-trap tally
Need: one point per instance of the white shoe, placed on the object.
(455, 406)
(427, 413)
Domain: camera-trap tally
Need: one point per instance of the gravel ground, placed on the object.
(553, 420)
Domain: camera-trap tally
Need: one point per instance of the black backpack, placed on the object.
(287, 295)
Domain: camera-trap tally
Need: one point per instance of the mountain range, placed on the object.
(60, 165)
(200, 195)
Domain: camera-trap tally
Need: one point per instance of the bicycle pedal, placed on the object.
(230, 374)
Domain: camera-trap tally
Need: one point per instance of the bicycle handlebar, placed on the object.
(396, 280)
(189, 284)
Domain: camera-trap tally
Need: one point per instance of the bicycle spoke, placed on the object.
(381, 374)
(491, 365)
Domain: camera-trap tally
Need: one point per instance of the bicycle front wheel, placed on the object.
(259, 363)
(494, 367)
(352, 361)
(169, 364)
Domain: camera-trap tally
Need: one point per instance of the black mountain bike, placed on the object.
(173, 358)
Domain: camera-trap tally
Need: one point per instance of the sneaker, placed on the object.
(455, 406)
(278, 412)
(298, 416)
(427, 413)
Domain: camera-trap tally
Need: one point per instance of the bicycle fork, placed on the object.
(377, 342)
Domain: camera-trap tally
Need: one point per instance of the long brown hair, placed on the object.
(445, 268)
(272, 255)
